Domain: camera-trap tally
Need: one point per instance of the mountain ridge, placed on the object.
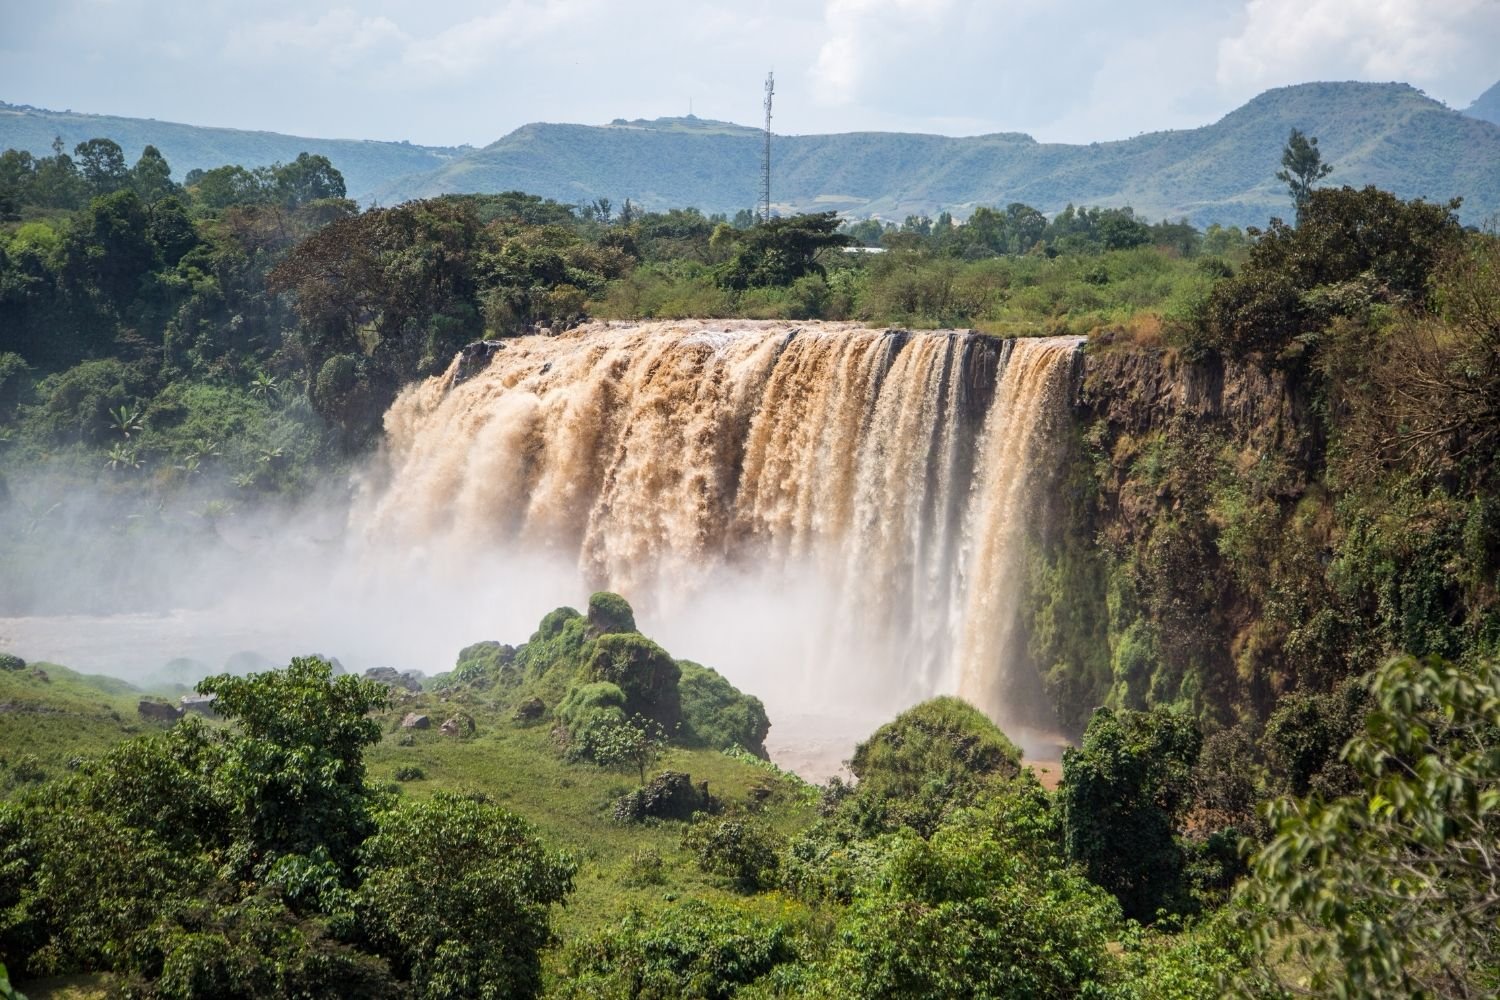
(1387, 134)
(367, 164)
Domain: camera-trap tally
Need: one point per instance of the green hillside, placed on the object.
(1486, 106)
(366, 165)
(1390, 135)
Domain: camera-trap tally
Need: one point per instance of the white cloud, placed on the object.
(866, 37)
(341, 38)
(474, 44)
(1448, 44)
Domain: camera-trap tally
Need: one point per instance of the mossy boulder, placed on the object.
(669, 795)
(717, 715)
(561, 640)
(644, 671)
(589, 705)
(610, 613)
(485, 663)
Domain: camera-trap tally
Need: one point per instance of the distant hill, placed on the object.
(366, 165)
(1486, 106)
(1385, 134)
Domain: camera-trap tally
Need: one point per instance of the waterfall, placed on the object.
(881, 483)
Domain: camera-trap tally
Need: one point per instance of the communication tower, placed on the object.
(765, 163)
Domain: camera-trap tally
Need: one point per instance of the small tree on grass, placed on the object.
(638, 742)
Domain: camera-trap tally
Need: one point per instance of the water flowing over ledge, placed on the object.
(871, 490)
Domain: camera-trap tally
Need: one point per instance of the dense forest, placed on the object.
(1266, 602)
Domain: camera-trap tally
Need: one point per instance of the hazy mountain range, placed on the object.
(1388, 134)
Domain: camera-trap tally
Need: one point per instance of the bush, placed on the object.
(741, 850)
(929, 761)
(11, 662)
(968, 915)
(457, 893)
(589, 705)
(694, 951)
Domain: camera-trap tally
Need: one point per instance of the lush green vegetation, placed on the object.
(263, 856)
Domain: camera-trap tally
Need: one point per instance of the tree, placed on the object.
(928, 762)
(56, 183)
(457, 892)
(1350, 250)
(1122, 792)
(307, 178)
(102, 163)
(1302, 166)
(984, 909)
(151, 177)
(778, 252)
(296, 772)
(1394, 891)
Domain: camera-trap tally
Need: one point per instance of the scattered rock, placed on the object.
(407, 680)
(413, 720)
(156, 711)
(476, 358)
(459, 725)
(530, 710)
(203, 704)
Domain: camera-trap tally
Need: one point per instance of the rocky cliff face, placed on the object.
(1138, 391)
(1180, 479)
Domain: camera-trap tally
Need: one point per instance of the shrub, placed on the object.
(741, 850)
(694, 951)
(968, 915)
(929, 761)
(457, 893)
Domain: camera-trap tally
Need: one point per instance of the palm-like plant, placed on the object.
(122, 457)
(127, 420)
(266, 386)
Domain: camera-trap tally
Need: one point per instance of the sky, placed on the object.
(447, 72)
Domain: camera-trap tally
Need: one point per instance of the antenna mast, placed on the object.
(765, 164)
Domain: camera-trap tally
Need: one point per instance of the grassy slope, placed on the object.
(1385, 134)
(55, 714)
(570, 804)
